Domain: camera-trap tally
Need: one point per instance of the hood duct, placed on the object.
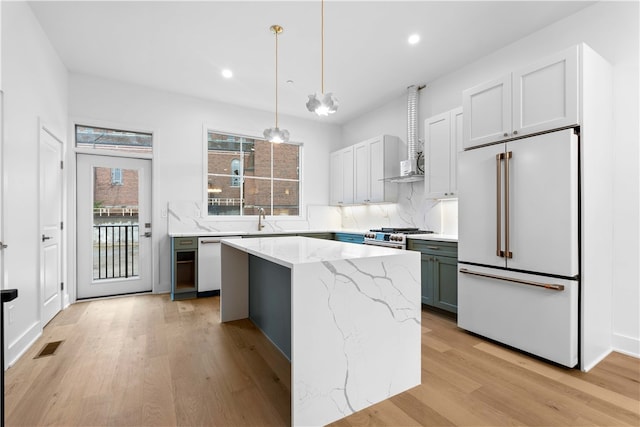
(412, 131)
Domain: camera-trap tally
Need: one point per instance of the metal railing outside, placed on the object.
(115, 251)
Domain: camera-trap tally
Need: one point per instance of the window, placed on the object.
(116, 176)
(245, 174)
(235, 173)
(112, 139)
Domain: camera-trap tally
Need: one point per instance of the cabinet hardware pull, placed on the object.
(499, 251)
(204, 242)
(435, 248)
(506, 135)
(507, 252)
(550, 286)
(515, 132)
(186, 242)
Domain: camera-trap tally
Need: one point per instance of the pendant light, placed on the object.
(322, 103)
(275, 134)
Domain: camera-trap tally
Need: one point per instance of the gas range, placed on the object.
(391, 237)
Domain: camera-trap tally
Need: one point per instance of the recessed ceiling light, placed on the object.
(414, 38)
(227, 74)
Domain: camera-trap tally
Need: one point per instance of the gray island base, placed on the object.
(346, 316)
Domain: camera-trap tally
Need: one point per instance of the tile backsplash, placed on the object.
(411, 210)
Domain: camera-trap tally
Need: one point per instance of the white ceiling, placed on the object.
(183, 46)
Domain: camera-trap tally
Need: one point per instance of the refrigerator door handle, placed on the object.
(507, 252)
(499, 251)
(550, 286)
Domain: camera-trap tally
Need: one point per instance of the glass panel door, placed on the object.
(114, 248)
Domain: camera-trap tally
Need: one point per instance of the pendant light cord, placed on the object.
(322, 47)
(276, 32)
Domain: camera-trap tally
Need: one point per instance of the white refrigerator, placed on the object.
(519, 244)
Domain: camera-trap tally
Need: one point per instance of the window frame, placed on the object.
(244, 134)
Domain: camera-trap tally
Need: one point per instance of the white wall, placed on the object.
(35, 84)
(177, 124)
(611, 29)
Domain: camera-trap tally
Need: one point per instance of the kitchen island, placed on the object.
(346, 316)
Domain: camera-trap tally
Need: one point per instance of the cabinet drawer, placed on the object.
(534, 319)
(185, 243)
(433, 247)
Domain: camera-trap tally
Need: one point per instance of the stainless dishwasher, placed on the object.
(209, 269)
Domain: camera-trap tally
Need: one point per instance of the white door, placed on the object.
(457, 123)
(347, 176)
(487, 112)
(545, 94)
(437, 147)
(361, 173)
(481, 206)
(113, 225)
(543, 203)
(50, 225)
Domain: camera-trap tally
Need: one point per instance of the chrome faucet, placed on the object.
(261, 216)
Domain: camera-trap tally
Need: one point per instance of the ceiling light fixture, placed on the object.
(227, 74)
(275, 134)
(322, 103)
(414, 38)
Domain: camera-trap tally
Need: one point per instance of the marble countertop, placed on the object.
(295, 250)
(439, 237)
(255, 233)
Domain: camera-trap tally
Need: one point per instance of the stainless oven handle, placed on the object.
(550, 286)
(392, 246)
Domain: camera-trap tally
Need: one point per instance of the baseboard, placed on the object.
(17, 348)
(626, 345)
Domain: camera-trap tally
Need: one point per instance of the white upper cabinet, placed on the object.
(358, 172)
(443, 140)
(540, 97)
(487, 112)
(341, 165)
(374, 160)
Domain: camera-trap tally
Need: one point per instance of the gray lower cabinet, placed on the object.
(439, 273)
(184, 268)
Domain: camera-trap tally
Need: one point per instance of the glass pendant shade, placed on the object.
(276, 135)
(322, 104)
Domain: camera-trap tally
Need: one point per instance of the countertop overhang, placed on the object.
(290, 251)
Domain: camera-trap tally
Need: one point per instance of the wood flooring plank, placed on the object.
(548, 371)
(147, 360)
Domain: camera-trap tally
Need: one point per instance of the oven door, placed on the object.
(386, 244)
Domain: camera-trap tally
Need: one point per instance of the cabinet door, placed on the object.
(347, 175)
(445, 283)
(376, 170)
(456, 147)
(437, 130)
(545, 94)
(487, 112)
(337, 180)
(341, 167)
(427, 279)
(361, 173)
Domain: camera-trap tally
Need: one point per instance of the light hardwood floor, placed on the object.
(146, 360)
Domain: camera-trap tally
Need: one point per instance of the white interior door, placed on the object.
(114, 226)
(50, 225)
